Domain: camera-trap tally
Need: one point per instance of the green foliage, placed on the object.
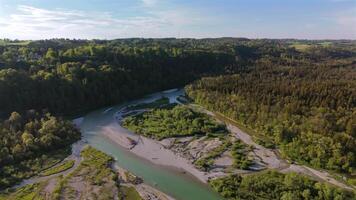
(95, 170)
(57, 169)
(67, 77)
(239, 153)
(28, 192)
(309, 112)
(97, 165)
(273, 185)
(31, 143)
(205, 163)
(128, 193)
(173, 122)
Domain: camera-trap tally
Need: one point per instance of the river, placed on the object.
(181, 186)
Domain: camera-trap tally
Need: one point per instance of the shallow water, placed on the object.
(171, 181)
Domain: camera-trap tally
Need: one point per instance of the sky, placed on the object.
(110, 19)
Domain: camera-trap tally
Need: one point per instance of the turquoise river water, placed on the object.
(173, 182)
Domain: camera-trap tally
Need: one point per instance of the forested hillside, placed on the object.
(309, 111)
(66, 76)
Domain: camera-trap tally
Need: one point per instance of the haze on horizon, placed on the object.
(110, 19)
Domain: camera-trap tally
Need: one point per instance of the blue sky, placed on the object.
(108, 19)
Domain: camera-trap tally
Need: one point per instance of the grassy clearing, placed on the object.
(60, 168)
(128, 193)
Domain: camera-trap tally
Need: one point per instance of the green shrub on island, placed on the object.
(173, 122)
(239, 153)
(273, 185)
(205, 163)
(60, 168)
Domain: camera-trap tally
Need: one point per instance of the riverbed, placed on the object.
(175, 182)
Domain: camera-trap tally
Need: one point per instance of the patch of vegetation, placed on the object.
(94, 171)
(28, 192)
(97, 166)
(32, 143)
(57, 169)
(352, 181)
(128, 193)
(173, 122)
(132, 178)
(205, 163)
(264, 141)
(239, 153)
(273, 185)
(155, 104)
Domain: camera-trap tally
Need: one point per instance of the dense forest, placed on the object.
(274, 185)
(67, 76)
(309, 111)
(32, 142)
(300, 94)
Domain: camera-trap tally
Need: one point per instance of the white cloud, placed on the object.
(149, 2)
(37, 23)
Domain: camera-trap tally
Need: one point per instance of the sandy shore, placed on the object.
(153, 151)
(146, 192)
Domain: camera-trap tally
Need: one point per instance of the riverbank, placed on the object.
(154, 151)
(159, 152)
(145, 191)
